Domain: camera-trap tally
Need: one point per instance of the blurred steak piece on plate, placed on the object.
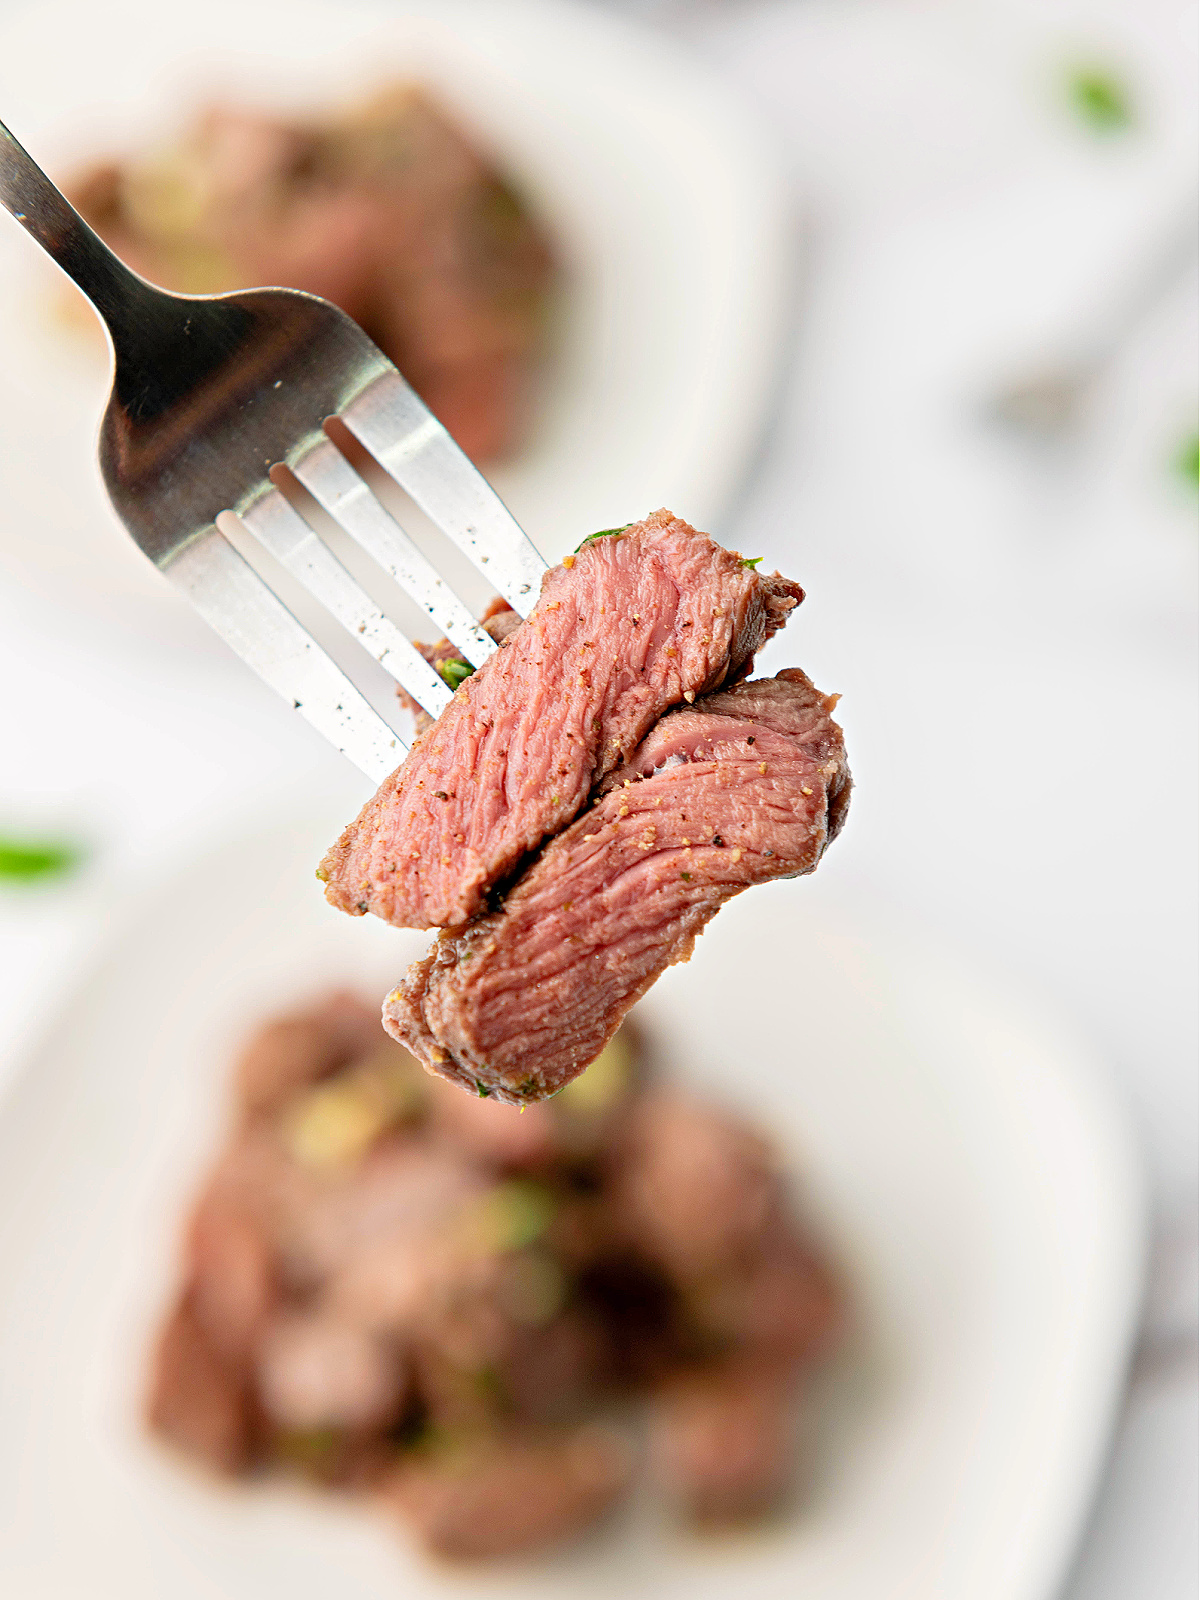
(449, 1306)
(740, 788)
(722, 1440)
(494, 1496)
(388, 210)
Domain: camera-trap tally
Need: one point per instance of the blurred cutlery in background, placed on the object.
(1047, 403)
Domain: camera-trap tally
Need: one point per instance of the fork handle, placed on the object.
(46, 213)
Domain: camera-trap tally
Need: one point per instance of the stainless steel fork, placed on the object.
(212, 392)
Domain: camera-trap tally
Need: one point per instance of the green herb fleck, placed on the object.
(604, 533)
(483, 1093)
(312, 1450)
(751, 561)
(501, 207)
(517, 1212)
(604, 1083)
(1099, 99)
(455, 672)
(1187, 460)
(22, 860)
(686, 876)
(489, 1386)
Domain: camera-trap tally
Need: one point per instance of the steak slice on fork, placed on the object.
(746, 786)
(636, 622)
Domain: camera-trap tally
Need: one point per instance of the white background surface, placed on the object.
(1013, 631)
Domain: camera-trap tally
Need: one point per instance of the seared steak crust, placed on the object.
(632, 625)
(750, 785)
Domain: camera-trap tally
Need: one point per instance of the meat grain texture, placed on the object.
(744, 787)
(587, 802)
(636, 624)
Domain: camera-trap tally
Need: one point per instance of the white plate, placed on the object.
(667, 204)
(960, 1156)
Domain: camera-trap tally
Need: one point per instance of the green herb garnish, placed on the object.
(455, 671)
(501, 206)
(1099, 98)
(481, 1091)
(489, 1385)
(312, 1450)
(517, 1212)
(21, 860)
(604, 533)
(1187, 460)
(751, 561)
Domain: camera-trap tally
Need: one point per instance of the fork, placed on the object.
(211, 396)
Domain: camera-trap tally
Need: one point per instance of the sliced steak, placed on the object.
(197, 1399)
(777, 1302)
(301, 1049)
(721, 1441)
(631, 626)
(232, 1288)
(518, 1492)
(439, 1308)
(693, 1185)
(499, 620)
(315, 1371)
(749, 786)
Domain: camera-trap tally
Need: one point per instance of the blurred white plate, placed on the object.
(959, 1152)
(670, 213)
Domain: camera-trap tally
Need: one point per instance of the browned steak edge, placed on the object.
(821, 792)
(513, 757)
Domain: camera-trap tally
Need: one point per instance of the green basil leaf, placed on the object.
(23, 860)
(604, 533)
(1100, 99)
(455, 672)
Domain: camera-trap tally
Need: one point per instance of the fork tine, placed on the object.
(407, 439)
(235, 601)
(284, 532)
(340, 490)
(211, 390)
